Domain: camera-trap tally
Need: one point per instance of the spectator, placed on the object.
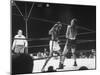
(22, 64)
(83, 68)
(51, 69)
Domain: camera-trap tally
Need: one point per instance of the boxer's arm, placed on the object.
(51, 46)
(52, 29)
(67, 32)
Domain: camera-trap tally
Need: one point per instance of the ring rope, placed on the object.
(60, 55)
(44, 20)
(47, 38)
(78, 41)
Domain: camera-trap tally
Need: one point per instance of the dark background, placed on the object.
(43, 17)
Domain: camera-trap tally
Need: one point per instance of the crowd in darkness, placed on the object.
(88, 54)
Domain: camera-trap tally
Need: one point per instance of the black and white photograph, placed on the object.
(52, 37)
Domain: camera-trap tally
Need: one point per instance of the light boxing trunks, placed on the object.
(19, 49)
(54, 45)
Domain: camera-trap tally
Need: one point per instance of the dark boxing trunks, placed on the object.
(71, 43)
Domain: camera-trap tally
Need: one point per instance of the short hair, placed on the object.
(20, 30)
(58, 22)
(75, 20)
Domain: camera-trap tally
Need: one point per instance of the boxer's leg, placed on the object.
(62, 58)
(73, 53)
(73, 47)
(74, 56)
(50, 55)
(59, 52)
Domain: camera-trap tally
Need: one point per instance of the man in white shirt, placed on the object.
(19, 43)
(71, 34)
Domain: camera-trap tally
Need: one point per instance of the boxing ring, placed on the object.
(90, 63)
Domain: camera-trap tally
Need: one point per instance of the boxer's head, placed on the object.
(58, 22)
(59, 25)
(73, 21)
(20, 32)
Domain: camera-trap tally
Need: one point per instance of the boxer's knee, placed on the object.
(73, 50)
(65, 51)
(51, 53)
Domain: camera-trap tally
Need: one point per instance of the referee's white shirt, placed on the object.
(19, 40)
